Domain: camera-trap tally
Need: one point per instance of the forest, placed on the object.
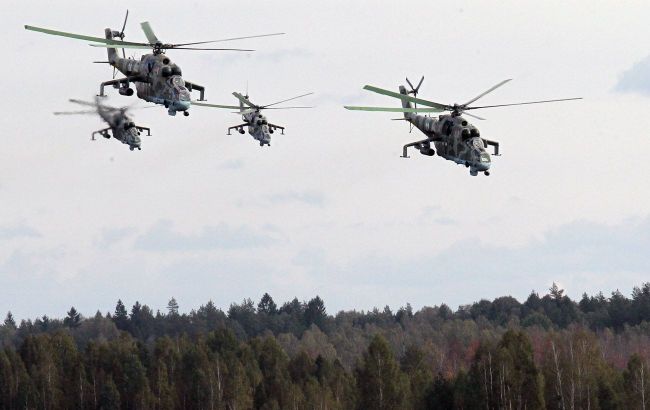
(548, 352)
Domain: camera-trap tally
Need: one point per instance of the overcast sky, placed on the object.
(330, 208)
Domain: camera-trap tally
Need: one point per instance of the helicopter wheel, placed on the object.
(185, 113)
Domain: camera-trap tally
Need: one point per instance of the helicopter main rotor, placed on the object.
(454, 109)
(153, 43)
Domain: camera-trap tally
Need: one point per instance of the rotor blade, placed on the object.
(228, 39)
(125, 19)
(74, 112)
(87, 103)
(288, 99)
(377, 90)
(229, 107)
(473, 116)
(487, 92)
(209, 49)
(409, 83)
(420, 83)
(244, 100)
(523, 103)
(79, 36)
(283, 108)
(148, 32)
(392, 109)
(122, 45)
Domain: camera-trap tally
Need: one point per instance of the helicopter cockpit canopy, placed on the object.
(177, 81)
(178, 85)
(477, 143)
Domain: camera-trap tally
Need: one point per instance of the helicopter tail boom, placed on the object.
(112, 52)
(406, 104)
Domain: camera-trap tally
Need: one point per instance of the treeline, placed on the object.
(548, 352)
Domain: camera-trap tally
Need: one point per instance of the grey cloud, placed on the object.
(161, 237)
(231, 165)
(636, 79)
(114, 235)
(18, 231)
(307, 197)
(443, 220)
(586, 256)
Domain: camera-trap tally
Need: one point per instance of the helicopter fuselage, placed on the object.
(122, 127)
(454, 138)
(258, 127)
(157, 79)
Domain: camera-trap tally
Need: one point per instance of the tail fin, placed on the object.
(406, 104)
(112, 52)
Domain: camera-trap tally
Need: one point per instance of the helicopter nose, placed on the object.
(183, 105)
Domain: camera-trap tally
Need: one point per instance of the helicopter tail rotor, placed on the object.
(120, 35)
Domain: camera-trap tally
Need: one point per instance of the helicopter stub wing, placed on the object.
(139, 128)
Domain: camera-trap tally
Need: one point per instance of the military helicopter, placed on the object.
(157, 79)
(453, 136)
(119, 123)
(258, 125)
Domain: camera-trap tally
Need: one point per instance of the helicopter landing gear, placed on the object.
(487, 173)
(185, 113)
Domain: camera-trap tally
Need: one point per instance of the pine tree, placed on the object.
(555, 292)
(73, 319)
(121, 318)
(172, 307)
(315, 313)
(10, 322)
(267, 305)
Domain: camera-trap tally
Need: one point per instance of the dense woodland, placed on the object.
(547, 352)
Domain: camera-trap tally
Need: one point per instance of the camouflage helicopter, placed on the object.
(453, 136)
(119, 123)
(157, 79)
(258, 125)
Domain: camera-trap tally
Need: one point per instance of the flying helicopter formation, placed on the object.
(158, 80)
